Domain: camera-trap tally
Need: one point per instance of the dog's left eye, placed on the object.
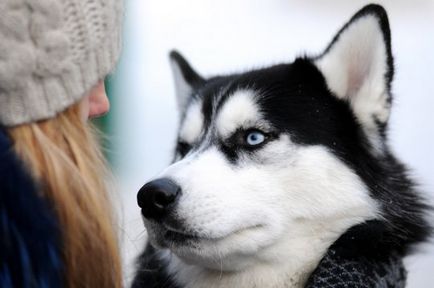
(255, 138)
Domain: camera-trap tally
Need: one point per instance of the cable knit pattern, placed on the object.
(52, 52)
(335, 271)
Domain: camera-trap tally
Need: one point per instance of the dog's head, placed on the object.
(268, 157)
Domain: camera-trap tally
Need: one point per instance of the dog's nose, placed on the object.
(157, 198)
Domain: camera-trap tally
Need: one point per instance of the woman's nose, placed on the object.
(98, 101)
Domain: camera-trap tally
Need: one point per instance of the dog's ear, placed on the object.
(187, 81)
(358, 66)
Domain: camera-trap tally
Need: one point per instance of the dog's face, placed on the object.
(265, 160)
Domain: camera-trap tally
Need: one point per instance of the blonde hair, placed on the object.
(67, 164)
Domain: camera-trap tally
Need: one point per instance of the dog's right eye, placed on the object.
(255, 138)
(183, 148)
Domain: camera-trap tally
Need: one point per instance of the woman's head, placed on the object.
(54, 55)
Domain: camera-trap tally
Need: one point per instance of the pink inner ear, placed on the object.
(358, 71)
(357, 59)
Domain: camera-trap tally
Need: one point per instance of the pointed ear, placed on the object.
(358, 66)
(187, 81)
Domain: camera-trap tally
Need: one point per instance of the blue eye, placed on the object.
(255, 138)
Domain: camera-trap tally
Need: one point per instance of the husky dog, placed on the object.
(276, 165)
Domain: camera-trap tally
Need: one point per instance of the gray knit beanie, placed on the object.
(52, 52)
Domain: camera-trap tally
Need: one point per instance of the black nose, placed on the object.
(157, 198)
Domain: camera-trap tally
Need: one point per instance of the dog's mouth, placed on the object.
(180, 237)
(204, 248)
(169, 237)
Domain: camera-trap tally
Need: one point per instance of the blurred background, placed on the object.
(225, 36)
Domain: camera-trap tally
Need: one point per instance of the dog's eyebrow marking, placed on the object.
(193, 123)
(239, 110)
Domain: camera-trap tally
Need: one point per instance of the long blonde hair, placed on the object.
(65, 160)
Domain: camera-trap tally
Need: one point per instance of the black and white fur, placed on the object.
(264, 215)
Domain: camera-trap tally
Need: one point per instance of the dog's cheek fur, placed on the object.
(314, 184)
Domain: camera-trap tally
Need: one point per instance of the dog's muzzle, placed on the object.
(158, 198)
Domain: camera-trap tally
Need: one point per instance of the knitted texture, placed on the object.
(335, 271)
(52, 52)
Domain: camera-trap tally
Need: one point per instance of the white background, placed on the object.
(234, 35)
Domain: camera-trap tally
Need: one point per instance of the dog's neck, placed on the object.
(286, 264)
(261, 275)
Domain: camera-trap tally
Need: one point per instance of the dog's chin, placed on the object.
(226, 253)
